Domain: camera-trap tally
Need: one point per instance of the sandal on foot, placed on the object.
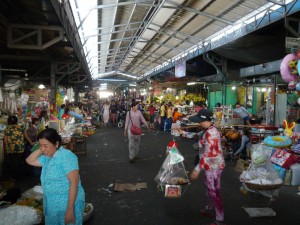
(207, 213)
(218, 223)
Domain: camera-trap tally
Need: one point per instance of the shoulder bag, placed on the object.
(135, 130)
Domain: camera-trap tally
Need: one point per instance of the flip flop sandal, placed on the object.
(204, 212)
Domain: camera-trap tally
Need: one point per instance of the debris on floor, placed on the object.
(129, 186)
(260, 212)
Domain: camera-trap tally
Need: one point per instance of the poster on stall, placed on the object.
(37, 95)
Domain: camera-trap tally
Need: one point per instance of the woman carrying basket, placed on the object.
(134, 117)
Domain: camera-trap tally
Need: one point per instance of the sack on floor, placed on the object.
(241, 165)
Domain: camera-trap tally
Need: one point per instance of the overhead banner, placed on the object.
(180, 68)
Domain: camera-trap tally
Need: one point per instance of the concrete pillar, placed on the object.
(52, 77)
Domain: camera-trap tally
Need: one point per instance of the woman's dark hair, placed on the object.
(62, 106)
(50, 135)
(175, 110)
(12, 120)
(67, 110)
(246, 131)
(44, 114)
(34, 120)
(133, 104)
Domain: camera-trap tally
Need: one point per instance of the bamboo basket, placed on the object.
(263, 187)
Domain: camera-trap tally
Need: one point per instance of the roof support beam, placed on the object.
(126, 28)
(186, 36)
(171, 35)
(66, 67)
(18, 35)
(287, 26)
(267, 19)
(143, 40)
(25, 58)
(140, 2)
(148, 53)
(118, 39)
(281, 2)
(77, 78)
(151, 13)
(189, 9)
(64, 12)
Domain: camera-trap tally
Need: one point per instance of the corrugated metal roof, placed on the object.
(135, 36)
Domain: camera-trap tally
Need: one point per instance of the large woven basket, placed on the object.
(263, 187)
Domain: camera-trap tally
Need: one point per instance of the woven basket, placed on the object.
(263, 187)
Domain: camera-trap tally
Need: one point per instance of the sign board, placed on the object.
(291, 42)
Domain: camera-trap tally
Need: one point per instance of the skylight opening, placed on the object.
(87, 23)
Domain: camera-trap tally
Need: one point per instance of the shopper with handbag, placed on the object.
(134, 118)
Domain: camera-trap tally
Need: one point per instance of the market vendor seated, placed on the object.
(244, 148)
(233, 139)
(177, 115)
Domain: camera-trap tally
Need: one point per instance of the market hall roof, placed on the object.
(126, 40)
(140, 37)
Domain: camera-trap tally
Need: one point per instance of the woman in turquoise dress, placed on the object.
(64, 197)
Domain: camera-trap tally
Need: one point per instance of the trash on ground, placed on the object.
(129, 186)
(260, 212)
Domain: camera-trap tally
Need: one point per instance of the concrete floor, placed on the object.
(107, 162)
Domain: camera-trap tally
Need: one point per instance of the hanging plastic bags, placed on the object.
(172, 175)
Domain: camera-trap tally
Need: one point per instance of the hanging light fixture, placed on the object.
(41, 86)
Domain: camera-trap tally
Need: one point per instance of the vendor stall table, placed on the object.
(262, 134)
(190, 127)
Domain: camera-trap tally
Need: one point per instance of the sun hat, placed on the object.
(202, 115)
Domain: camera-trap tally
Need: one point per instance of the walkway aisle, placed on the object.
(107, 162)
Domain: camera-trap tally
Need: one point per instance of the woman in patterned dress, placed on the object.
(213, 163)
(64, 197)
(106, 107)
(14, 148)
(134, 116)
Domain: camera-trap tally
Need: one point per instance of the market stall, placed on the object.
(28, 209)
(280, 153)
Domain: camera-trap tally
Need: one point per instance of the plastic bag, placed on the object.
(258, 155)
(20, 215)
(172, 170)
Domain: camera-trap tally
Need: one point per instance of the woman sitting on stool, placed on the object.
(244, 150)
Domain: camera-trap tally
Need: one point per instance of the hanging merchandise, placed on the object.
(62, 94)
(23, 101)
(70, 94)
(12, 107)
(288, 68)
(172, 178)
(1, 97)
